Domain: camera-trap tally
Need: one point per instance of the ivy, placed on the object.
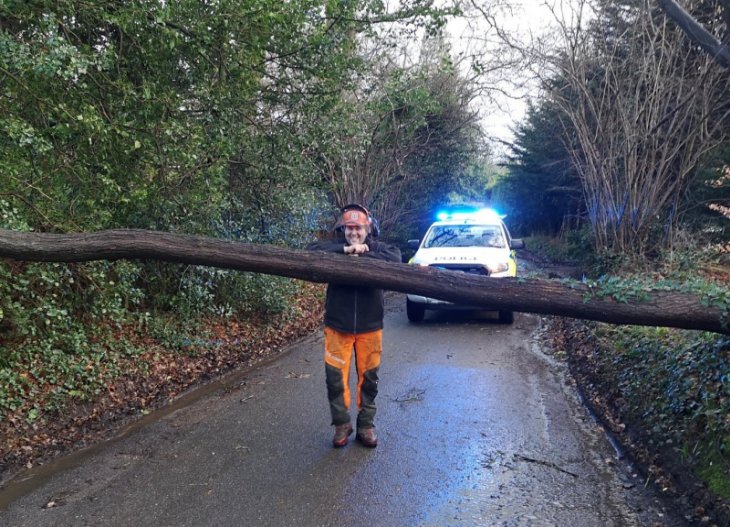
(677, 384)
(637, 289)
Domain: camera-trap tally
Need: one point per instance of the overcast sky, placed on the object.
(526, 19)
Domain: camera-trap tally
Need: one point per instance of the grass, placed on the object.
(713, 467)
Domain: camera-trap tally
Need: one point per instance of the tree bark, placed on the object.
(577, 300)
(719, 51)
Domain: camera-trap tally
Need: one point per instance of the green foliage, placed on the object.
(624, 290)
(57, 323)
(60, 323)
(541, 193)
(714, 453)
(554, 249)
(186, 116)
(174, 332)
(574, 245)
(708, 196)
(677, 384)
(261, 294)
(210, 291)
(636, 288)
(131, 114)
(42, 300)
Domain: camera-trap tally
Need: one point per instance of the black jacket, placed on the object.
(355, 309)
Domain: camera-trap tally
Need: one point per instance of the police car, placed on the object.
(473, 241)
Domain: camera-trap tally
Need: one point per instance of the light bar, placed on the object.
(470, 215)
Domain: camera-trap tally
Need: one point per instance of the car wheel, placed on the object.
(415, 312)
(506, 317)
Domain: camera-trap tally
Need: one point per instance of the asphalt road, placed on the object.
(477, 427)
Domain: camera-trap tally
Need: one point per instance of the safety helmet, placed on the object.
(356, 214)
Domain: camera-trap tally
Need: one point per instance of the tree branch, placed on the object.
(699, 35)
(577, 300)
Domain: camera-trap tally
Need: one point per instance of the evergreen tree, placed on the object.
(541, 193)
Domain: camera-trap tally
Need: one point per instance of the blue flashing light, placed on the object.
(442, 216)
(469, 215)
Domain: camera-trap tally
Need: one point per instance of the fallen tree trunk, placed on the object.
(577, 300)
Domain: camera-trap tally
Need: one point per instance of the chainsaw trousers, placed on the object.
(338, 349)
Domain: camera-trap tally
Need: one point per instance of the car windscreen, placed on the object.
(464, 236)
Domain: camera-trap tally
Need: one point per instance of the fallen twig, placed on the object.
(545, 463)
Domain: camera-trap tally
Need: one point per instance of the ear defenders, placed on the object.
(374, 227)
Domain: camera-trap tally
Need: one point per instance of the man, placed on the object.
(354, 319)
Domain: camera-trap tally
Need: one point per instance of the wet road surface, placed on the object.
(477, 427)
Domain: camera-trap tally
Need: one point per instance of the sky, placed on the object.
(527, 20)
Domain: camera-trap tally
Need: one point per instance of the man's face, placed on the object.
(355, 234)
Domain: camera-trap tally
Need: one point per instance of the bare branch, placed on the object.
(699, 35)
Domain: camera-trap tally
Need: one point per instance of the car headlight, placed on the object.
(500, 267)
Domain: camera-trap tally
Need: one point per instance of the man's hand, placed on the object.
(356, 249)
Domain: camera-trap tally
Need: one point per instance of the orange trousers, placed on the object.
(338, 349)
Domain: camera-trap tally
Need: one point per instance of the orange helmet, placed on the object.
(355, 214)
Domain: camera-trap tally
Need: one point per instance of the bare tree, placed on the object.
(644, 107)
(404, 110)
(719, 50)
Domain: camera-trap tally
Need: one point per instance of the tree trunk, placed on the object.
(719, 51)
(577, 300)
